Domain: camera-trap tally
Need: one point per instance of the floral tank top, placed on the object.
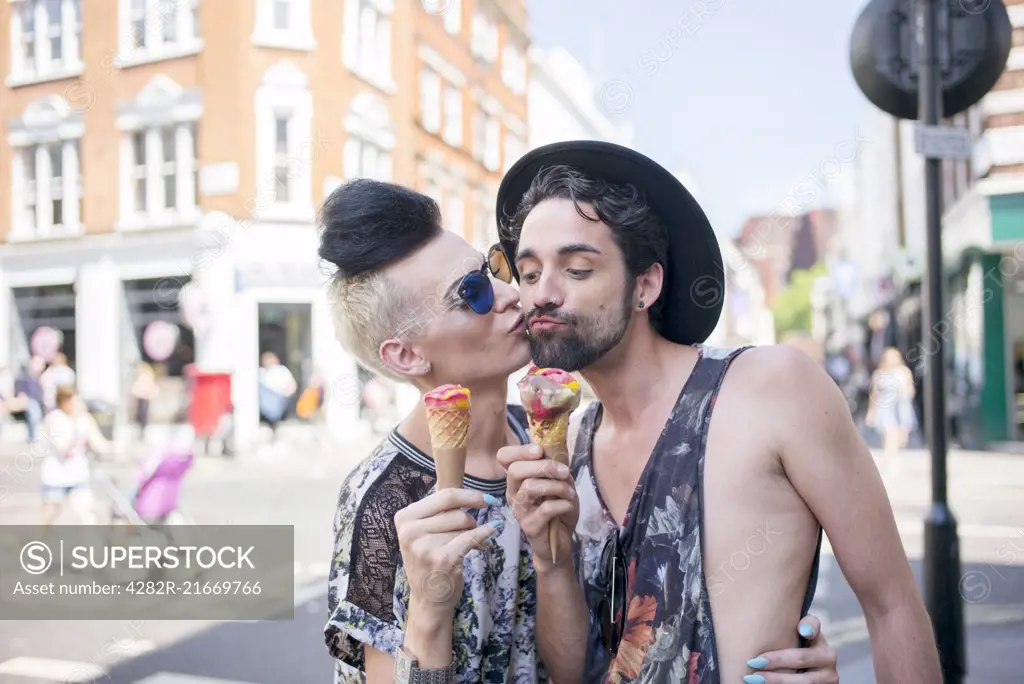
(667, 634)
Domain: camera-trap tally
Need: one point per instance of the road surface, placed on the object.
(301, 491)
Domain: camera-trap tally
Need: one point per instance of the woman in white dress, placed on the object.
(69, 432)
(891, 409)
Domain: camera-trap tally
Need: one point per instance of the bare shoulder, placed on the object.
(786, 370)
(789, 391)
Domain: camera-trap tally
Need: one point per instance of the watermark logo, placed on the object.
(974, 586)
(439, 586)
(707, 292)
(36, 558)
(347, 390)
(438, 6)
(616, 97)
(975, 6)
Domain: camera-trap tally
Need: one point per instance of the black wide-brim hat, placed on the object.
(694, 286)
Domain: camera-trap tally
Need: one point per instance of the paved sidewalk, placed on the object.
(992, 651)
(986, 494)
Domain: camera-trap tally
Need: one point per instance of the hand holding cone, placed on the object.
(549, 396)
(448, 419)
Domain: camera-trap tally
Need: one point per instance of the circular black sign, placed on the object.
(974, 41)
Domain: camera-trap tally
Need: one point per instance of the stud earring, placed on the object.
(641, 305)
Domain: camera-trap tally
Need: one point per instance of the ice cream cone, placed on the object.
(448, 411)
(550, 396)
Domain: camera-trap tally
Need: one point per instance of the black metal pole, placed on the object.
(942, 548)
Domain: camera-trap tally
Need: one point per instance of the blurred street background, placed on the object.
(161, 162)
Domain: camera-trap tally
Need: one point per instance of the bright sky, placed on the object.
(749, 97)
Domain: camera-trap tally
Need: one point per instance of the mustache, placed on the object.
(549, 312)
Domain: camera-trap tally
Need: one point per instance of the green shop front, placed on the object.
(983, 240)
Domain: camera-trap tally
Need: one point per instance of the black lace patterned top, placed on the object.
(668, 634)
(368, 593)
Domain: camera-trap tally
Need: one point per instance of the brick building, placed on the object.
(185, 144)
(776, 245)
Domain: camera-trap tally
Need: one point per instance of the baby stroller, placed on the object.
(154, 499)
(151, 507)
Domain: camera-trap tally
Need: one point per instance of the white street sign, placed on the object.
(943, 142)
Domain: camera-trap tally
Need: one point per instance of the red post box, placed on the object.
(209, 400)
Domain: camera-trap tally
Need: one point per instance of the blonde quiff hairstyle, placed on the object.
(368, 310)
(365, 226)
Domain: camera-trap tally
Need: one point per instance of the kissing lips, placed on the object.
(545, 323)
(518, 325)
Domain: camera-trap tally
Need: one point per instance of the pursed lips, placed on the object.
(545, 323)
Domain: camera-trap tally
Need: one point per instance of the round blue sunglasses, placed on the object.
(476, 290)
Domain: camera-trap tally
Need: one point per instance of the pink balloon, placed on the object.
(159, 340)
(46, 342)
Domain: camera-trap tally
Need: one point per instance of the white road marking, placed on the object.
(855, 629)
(66, 671)
(176, 678)
(980, 531)
(319, 569)
(130, 648)
(309, 593)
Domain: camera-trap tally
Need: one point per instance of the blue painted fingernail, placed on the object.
(806, 631)
(491, 500)
(754, 679)
(496, 524)
(758, 663)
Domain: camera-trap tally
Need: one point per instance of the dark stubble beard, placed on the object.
(583, 341)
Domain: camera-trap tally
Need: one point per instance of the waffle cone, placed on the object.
(552, 430)
(552, 434)
(449, 430)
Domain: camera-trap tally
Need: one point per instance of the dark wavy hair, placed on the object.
(637, 231)
(366, 225)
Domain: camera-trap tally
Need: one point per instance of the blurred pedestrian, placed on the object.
(6, 393)
(276, 387)
(28, 399)
(312, 398)
(70, 434)
(377, 401)
(891, 408)
(144, 391)
(59, 374)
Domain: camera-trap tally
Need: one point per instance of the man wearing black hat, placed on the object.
(704, 475)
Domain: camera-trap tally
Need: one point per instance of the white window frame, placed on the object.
(282, 157)
(455, 215)
(43, 69)
(284, 92)
(162, 104)
(514, 149)
(431, 90)
(513, 69)
(453, 17)
(484, 227)
(452, 105)
(367, 42)
(46, 123)
(139, 172)
(484, 40)
(492, 144)
(365, 159)
(186, 42)
(479, 132)
(369, 148)
(299, 34)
